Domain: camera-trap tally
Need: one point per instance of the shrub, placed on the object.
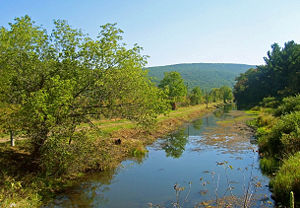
(287, 179)
(265, 120)
(269, 102)
(64, 156)
(289, 104)
(256, 108)
(262, 131)
(269, 147)
(286, 133)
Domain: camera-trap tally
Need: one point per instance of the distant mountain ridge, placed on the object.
(205, 75)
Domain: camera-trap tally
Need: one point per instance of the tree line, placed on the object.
(177, 91)
(279, 77)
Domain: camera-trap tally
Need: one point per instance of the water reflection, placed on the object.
(197, 124)
(174, 145)
(220, 112)
(95, 187)
(189, 154)
(229, 107)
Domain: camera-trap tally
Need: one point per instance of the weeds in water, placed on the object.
(178, 190)
(230, 199)
(220, 197)
(177, 203)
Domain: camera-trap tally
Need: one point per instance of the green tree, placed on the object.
(215, 94)
(196, 96)
(56, 82)
(247, 90)
(278, 77)
(207, 98)
(9, 123)
(226, 93)
(174, 87)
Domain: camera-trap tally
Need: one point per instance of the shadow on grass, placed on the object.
(16, 162)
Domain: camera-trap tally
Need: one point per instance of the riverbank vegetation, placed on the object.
(273, 90)
(25, 185)
(79, 104)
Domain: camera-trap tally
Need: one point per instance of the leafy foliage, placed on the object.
(226, 93)
(269, 102)
(275, 86)
(174, 87)
(288, 105)
(223, 93)
(215, 95)
(196, 96)
(286, 133)
(51, 83)
(278, 78)
(279, 140)
(280, 136)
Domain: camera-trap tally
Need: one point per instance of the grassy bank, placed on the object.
(108, 142)
(278, 132)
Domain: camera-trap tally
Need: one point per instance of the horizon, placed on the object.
(201, 63)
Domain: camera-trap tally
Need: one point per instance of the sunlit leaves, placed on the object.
(173, 85)
(278, 77)
(54, 82)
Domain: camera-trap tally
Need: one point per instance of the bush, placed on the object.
(62, 156)
(267, 147)
(263, 120)
(287, 179)
(289, 104)
(256, 108)
(262, 131)
(286, 133)
(269, 102)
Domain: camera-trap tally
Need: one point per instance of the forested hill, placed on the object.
(205, 75)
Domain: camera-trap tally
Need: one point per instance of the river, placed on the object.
(212, 160)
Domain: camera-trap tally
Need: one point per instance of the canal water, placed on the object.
(210, 161)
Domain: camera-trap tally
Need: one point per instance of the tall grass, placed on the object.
(287, 179)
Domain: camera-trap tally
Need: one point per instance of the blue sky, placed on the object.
(176, 31)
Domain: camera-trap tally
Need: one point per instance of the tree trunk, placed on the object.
(173, 106)
(38, 141)
(12, 141)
